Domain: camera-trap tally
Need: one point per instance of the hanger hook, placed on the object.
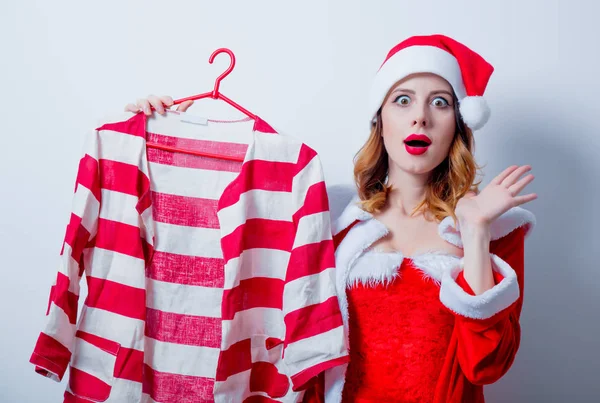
(215, 92)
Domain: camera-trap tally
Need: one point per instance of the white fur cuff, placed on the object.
(487, 304)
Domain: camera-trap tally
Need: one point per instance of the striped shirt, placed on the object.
(208, 279)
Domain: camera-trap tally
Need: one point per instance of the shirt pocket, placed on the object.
(91, 374)
(269, 373)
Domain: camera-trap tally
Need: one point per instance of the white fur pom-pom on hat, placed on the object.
(466, 71)
(474, 111)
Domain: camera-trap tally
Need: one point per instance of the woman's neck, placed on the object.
(408, 190)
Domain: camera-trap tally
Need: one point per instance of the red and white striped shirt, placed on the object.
(208, 279)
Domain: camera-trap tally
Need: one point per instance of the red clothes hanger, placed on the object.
(215, 94)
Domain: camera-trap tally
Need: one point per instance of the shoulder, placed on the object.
(274, 145)
(345, 209)
(350, 221)
(107, 121)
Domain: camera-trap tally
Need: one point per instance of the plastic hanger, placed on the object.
(214, 94)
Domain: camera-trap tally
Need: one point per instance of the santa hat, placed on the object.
(466, 71)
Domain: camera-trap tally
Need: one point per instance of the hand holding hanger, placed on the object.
(159, 104)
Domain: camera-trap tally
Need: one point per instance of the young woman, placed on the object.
(429, 269)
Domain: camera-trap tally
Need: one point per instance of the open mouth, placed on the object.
(417, 143)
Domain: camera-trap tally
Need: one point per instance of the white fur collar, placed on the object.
(374, 267)
(509, 221)
(351, 213)
(434, 264)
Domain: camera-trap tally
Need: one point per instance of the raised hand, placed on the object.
(500, 195)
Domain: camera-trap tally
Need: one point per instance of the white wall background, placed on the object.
(305, 68)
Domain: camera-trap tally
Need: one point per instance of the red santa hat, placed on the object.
(466, 71)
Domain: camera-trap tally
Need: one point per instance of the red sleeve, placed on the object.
(487, 347)
(53, 349)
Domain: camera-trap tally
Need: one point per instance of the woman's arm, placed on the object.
(487, 325)
(477, 260)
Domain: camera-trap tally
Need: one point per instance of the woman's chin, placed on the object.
(416, 167)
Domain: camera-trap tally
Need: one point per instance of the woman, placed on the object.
(429, 269)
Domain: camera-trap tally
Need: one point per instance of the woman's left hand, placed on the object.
(500, 195)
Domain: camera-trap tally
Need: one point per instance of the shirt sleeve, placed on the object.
(487, 325)
(314, 337)
(53, 349)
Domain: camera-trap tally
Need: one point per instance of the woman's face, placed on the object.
(420, 104)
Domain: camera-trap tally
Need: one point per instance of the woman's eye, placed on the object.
(439, 101)
(403, 100)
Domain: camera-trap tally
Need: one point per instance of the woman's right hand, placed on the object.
(158, 103)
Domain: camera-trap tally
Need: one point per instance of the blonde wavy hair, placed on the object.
(447, 183)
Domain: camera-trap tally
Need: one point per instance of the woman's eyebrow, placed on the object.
(431, 93)
(403, 90)
(441, 92)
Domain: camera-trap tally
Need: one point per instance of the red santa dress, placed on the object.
(416, 331)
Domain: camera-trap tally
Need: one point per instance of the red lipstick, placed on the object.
(417, 144)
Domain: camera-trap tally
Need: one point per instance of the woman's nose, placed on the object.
(420, 121)
(420, 117)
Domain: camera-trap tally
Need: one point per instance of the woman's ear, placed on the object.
(376, 117)
(377, 121)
